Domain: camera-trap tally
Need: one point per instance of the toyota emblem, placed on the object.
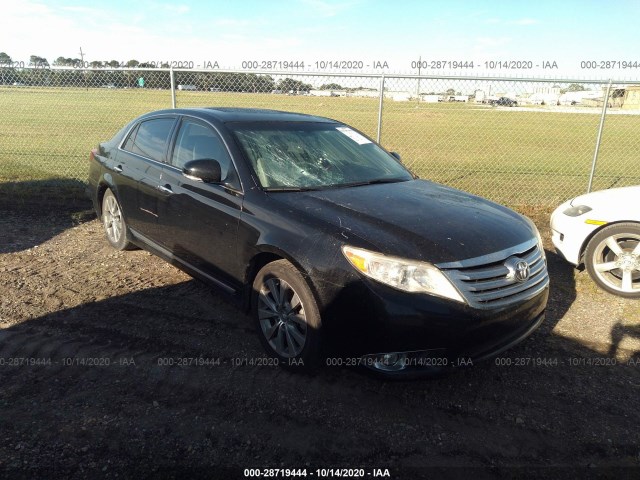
(521, 271)
(518, 269)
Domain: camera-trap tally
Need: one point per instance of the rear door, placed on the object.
(141, 159)
(202, 219)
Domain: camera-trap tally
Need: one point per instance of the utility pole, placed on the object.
(419, 68)
(84, 74)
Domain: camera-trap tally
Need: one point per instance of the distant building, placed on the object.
(399, 96)
(576, 98)
(320, 93)
(430, 98)
(364, 92)
(542, 95)
(631, 98)
(544, 90)
(544, 98)
(616, 98)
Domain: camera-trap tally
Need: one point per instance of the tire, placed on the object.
(612, 258)
(114, 224)
(286, 316)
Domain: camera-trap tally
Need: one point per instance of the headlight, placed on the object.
(577, 210)
(406, 275)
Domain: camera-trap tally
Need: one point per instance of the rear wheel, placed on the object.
(286, 316)
(114, 224)
(612, 258)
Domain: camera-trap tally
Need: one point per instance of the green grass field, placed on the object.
(514, 157)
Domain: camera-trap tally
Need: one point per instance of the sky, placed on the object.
(318, 32)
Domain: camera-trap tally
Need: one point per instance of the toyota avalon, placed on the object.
(324, 236)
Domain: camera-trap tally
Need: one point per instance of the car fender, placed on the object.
(594, 232)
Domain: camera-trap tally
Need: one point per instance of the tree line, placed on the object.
(38, 61)
(204, 81)
(10, 74)
(112, 78)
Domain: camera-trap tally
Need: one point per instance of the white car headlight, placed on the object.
(577, 210)
(406, 275)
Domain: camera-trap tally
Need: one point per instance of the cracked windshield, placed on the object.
(314, 156)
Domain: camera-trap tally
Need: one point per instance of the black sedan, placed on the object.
(338, 251)
(504, 102)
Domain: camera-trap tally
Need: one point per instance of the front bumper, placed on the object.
(433, 362)
(568, 234)
(368, 319)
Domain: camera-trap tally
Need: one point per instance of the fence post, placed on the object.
(599, 137)
(173, 88)
(380, 108)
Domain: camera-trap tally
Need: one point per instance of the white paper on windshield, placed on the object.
(355, 136)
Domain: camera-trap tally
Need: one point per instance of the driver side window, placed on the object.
(196, 142)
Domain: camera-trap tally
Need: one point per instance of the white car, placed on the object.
(602, 231)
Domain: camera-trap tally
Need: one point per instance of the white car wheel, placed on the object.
(612, 258)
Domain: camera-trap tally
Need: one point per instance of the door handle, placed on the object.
(118, 168)
(165, 189)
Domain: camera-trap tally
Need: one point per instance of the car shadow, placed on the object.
(619, 333)
(174, 379)
(562, 290)
(45, 209)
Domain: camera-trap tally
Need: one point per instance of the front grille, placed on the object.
(493, 285)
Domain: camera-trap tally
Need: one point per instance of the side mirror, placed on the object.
(397, 155)
(208, 170)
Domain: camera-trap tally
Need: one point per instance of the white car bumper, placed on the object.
(569, 233)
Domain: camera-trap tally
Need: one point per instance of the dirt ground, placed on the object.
(92, 384)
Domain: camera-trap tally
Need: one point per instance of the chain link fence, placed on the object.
(516, 141)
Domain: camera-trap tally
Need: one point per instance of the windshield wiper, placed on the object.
(340, 185)
(372, 182)
(291, 189)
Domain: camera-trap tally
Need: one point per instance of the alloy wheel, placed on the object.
(282, 317)
(616, 262)
(112, 218)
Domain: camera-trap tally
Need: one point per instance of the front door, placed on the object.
(202, 219)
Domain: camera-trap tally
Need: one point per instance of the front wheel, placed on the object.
(286, 316)
(612, 258)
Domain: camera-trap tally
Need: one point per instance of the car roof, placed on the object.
(232, 114)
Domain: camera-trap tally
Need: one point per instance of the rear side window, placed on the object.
(128, 145)
(149, 139)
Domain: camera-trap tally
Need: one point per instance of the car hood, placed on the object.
(415, 219)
